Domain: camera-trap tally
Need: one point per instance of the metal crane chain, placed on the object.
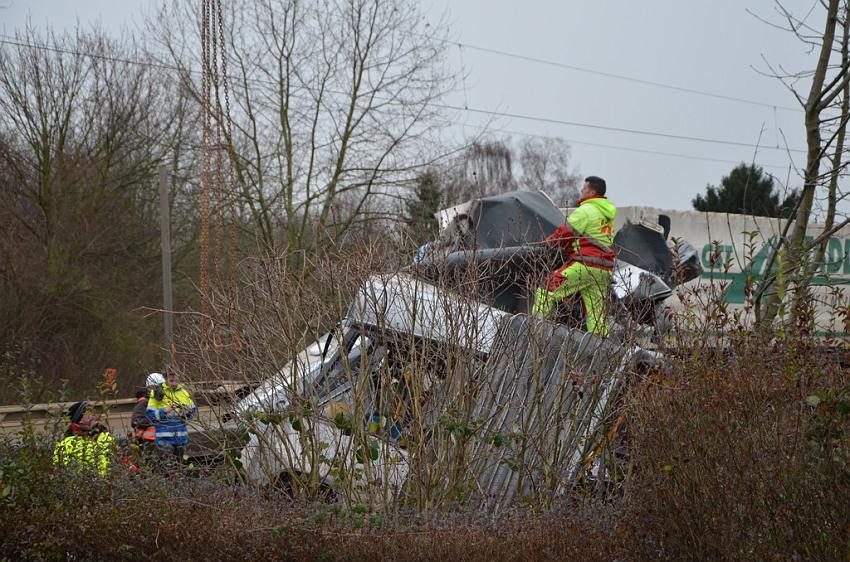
(214, 195)
(231, 180)
(206, 157)
(217, 100)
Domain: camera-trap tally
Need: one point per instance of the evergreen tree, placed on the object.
(421, 223)
(747, 190)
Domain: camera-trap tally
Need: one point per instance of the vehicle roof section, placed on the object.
(402, 304)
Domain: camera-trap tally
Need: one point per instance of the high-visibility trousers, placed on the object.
(591, 282)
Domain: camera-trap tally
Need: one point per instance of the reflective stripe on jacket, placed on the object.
(85, 453)
(145, 433)
(143, 430)
(588, 237)
(172, 434)
(171, 427)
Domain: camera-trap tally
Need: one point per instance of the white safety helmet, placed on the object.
(154, 379)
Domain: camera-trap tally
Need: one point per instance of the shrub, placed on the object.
(742, 455)
(52, 514)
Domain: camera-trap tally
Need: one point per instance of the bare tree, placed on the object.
(824, 132)
(82, 130)
(545, 167)
(489, 166)
(485, 168)
(837, 158)
(330, 99)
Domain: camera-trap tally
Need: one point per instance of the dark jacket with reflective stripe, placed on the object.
(143, 429)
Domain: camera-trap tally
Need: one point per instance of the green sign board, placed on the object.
(834, 271)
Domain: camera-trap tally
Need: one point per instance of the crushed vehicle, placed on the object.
(432, 389)
(502, 236)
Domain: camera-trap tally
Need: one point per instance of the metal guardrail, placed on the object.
(47, 416)
(213, 398)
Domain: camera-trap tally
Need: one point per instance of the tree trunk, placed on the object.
(813, 108)
(832, 194)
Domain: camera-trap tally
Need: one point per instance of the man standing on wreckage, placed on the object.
(588, 238)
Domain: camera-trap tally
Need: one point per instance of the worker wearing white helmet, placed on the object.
(154, 379)
(169, 408)
(143, 429)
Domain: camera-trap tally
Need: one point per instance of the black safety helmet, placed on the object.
(76, 411)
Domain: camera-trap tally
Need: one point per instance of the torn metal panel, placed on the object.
(543, 410)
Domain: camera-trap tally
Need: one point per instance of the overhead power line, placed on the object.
(624, 148)
(628, 78)
(492, 113)
(616, 129)
(7, 40)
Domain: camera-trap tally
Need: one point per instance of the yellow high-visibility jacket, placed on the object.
(588, 235)
(85, 453)
(171, 427)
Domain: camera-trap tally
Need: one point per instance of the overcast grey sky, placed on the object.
(698, 45)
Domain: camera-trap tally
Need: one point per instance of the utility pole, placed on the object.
(165, 231)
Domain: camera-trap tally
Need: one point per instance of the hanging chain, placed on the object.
(217, 112)
(213, 189)
(231, 181)
(206, 158)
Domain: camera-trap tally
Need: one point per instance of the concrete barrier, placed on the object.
(732, 247)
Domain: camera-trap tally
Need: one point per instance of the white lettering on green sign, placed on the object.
(716, 256)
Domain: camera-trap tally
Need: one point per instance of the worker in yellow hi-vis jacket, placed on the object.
(588, 238)
(87, 445)
(169, 408)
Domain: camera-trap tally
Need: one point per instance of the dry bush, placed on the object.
(52, 514)
(518, 536)
(742, 454)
